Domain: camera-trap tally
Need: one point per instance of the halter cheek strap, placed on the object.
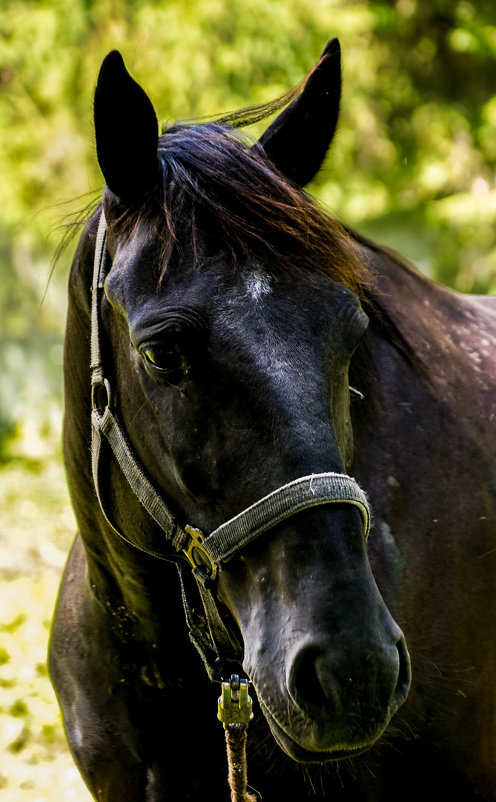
(217, 641)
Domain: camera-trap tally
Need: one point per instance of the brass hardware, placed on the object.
(196, 554)
(235, 704)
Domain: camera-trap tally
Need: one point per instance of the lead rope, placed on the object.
(234, 709)
(237, 773)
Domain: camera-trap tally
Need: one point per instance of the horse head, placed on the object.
(229, 318)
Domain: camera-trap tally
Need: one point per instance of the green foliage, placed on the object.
(413, 163)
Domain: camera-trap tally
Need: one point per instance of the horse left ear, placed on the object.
(298, 139)
(126, 131)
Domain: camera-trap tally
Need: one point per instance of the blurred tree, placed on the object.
(435, 98)
(413, 163)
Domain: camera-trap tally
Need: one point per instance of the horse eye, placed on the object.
(160, 358)
(153, 356)
(169, 362)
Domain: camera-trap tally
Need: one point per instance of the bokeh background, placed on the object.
(413, 166)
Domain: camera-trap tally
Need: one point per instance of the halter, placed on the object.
(215, 639)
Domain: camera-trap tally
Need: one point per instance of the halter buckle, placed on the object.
(196, 555)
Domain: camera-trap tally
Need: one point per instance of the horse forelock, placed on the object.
(215, 180)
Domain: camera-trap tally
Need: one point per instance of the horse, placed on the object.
(279, 444)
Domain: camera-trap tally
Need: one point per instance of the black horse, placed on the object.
(218, 352)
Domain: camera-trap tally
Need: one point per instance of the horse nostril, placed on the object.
(404, 675)
(305, 686)
(320, 680)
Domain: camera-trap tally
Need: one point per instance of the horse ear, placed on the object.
(298, 139)
(126, 130)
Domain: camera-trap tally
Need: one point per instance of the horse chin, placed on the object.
(301, 754)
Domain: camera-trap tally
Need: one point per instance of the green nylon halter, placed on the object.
(205, 554)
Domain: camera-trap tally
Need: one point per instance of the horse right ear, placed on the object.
(126, 130)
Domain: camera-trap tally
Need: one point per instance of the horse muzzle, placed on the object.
(328, 662)
(334, 707)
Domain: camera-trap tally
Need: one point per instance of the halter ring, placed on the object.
(101, 391)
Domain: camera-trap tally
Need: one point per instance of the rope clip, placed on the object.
(235, 704)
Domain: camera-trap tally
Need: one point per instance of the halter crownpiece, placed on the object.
(206, 554)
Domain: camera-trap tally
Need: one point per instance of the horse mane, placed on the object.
(214, 179)
(392, 277)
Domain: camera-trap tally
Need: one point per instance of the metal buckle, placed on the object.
(196, 554)
(235, 704)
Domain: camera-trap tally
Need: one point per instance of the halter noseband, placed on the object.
(217, 641)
